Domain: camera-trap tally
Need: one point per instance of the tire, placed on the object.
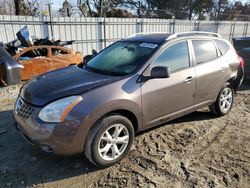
(224, 101)
(109, 141)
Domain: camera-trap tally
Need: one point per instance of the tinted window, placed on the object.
(204, 51)
(222, 46)
(121, 58)
(175, 57)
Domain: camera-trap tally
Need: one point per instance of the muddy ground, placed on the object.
(198, 150)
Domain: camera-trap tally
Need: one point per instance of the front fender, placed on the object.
(101, 101)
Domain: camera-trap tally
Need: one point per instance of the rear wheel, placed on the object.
(224, 102)
(109, 141)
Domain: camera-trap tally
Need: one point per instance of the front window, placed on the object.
(176, 57)
(121, 58)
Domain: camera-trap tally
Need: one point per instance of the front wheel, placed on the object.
(224, 102)
(110, 140)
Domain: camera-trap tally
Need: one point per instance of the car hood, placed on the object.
(61, 83)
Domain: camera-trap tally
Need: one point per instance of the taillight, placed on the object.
(242, 63)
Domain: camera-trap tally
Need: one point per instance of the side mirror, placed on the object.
(87, 58)
(94, 52)
(160, 72)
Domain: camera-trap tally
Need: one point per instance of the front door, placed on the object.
(165, 98)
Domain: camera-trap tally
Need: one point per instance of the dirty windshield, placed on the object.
(121, 58)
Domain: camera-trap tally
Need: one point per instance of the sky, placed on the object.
(58, 3)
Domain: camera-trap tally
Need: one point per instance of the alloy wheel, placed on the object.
(113, 142)
(226, 99)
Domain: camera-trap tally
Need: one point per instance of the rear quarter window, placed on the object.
(204, 51)
(222, 46)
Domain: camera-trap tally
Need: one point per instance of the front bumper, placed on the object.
(58, 138)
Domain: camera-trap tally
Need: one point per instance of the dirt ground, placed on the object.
(198, 150)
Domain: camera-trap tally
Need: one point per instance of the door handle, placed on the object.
(188, 79)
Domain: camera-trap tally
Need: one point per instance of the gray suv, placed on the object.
(132, 85)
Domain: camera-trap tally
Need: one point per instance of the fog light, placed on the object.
(46, 148)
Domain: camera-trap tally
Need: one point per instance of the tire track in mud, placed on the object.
(186, 154)
(220, 171)
(197, 150)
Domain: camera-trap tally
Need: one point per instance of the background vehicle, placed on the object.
(40, 59)
(242, 45)
(13, 73)
(134, 84)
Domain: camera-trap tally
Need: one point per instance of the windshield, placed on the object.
(121, 58)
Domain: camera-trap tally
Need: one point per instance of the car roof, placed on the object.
(160, 38)
(157, 38)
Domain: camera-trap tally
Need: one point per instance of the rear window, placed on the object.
(204, 51)
(222, 46)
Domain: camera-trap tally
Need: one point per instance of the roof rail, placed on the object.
(193, 33)
(147, 33)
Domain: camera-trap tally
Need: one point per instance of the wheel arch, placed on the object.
(124, 112)
(236, 82)
(128, 114)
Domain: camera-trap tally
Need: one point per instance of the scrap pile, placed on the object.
(27, 57)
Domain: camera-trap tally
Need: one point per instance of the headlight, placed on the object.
(58, 110)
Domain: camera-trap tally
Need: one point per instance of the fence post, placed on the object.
(232, 29)
(196, 25)
(217, 26)
(45, 27)
(141, 25)
(104, 33)
(245, 29)
(137, 25)
(173, 24)
(99, 33)
(50, 21)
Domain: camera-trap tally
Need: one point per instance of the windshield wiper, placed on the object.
(98, 71)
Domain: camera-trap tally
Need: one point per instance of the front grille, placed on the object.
(23, 109)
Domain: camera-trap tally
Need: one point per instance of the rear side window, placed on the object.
(222, 46)
(175, 57)
(204, 51)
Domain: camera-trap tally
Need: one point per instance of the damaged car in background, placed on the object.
(32, 56)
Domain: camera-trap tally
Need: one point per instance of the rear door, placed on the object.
(209, 71)
(165, 98)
